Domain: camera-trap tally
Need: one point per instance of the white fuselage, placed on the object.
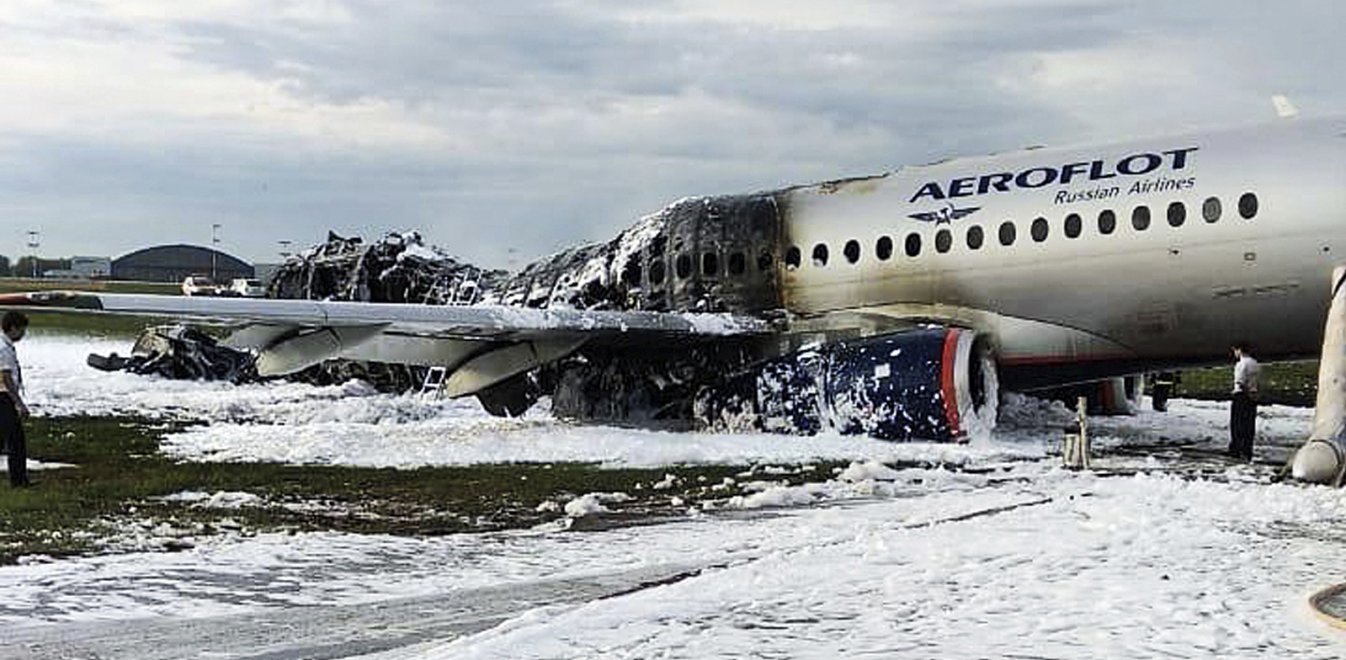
(1160, 294)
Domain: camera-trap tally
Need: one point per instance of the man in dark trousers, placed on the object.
(1243, 410)
(13, 411)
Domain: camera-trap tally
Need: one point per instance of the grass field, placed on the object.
(119, 472)
(60, 322)
(1288, 383)
(21, 284)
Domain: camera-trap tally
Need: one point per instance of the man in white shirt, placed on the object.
(1243, 410)
(13, 326)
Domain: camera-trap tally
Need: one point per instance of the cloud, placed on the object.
(506, 130)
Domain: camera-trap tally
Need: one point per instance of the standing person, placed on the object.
(1243, 410)
(13, 411)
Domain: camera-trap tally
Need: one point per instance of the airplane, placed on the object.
(897, 306)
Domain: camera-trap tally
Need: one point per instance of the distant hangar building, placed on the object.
(173, 263)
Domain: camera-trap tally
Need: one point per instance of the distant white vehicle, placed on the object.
(198, 285)
(247, 288)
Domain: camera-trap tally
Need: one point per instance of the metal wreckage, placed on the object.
(398, 268)
(643, 385)
(705, 254)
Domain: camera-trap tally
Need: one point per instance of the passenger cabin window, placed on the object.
(1177, 214)
(1007, 233)
(852, 250)
(737, 263)
(657, 273)
(883, 249)
(820, 255)
(792, 258)
(1039, 230)
(943, 241)
(1074, 225)
(710, 264)
(1210, 209)
(1107, 222)
(683, 266)
(975, 237)
(632, 274)
(1248, 206)
(913, 245)
(1140, 218)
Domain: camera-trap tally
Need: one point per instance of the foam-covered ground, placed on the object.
(1029, 561)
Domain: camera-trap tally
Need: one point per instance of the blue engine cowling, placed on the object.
(936, 384)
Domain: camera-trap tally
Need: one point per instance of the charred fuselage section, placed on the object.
(398, 268)
(707, 254)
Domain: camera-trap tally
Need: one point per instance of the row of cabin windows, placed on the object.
(710, 267)
(1073, 227)
(1038, 230)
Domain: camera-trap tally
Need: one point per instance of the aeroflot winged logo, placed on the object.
(1132, 165)
(945, 215)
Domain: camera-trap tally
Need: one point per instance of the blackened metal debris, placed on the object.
(704, 254)
(399, 268)
(181, 352)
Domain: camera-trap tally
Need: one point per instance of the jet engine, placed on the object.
(932, 383)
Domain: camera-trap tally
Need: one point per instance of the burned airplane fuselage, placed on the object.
(705, 254)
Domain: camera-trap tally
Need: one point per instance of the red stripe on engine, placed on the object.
(947, 382)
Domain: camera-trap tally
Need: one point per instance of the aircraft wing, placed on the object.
(486, 343)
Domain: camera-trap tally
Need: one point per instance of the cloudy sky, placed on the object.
(505, 130)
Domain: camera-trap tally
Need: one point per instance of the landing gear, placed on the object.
(1322, 460)
(1161, 389)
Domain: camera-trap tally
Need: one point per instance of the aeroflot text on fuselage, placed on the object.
(1036, 177)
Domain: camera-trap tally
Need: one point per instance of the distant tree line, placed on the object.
(24, 266)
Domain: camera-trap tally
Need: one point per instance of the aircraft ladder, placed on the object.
(434, 381)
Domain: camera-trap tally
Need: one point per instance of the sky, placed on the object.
(506, 131)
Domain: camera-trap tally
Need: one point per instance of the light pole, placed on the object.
(33, 244)
(214, 250)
